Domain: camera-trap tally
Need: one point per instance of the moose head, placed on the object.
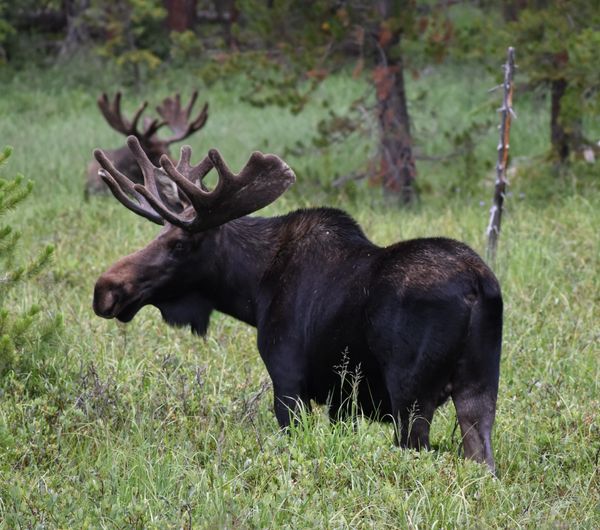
(166, 273)
(172, 114)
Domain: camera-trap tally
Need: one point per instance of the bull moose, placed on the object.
(421, 318)
(177, 117)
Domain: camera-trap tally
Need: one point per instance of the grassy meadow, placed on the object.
(146, 426)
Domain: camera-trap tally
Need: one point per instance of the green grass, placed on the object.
(147, 426)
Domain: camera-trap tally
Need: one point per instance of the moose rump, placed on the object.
(398, 329)
(412, 324)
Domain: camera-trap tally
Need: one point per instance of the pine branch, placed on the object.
(6, 152)
(36, 266)
(507, 114)
(12, 192)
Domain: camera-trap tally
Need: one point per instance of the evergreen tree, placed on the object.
(134, 33)
(558, 45)
(21, 332)
(6, 29)
(557, 52)
(305, 44)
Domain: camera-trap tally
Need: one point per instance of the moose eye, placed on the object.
(178, 247)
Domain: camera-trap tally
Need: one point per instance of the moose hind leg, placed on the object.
(475, 413)
(475, 383)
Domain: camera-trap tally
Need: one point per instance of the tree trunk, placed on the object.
(228, 13)
(507, 113)
(77, 31)
(181, 14)
(558, 135)
(397, 164)
(512, 8)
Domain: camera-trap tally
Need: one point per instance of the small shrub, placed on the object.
(22, 331)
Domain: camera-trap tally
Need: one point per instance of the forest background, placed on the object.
(383, 109)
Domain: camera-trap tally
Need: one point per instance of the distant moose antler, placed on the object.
(172, 114)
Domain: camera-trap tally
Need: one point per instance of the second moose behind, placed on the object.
(171, 113)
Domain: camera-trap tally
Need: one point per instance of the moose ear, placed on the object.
(191, 309)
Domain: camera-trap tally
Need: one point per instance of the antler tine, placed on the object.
(226, 176)
(147, 167)
(178, 118)
(193, 173)
(119, 184)
(196, 195)
(200, 120)
(107, 110)
(185, 155)
(136, 117)
(188, 110)
(111, 110)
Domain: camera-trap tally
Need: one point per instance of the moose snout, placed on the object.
(107, 296)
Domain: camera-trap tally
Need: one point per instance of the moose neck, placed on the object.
(243, 249)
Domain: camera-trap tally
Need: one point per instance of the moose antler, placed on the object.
(121, 186)
(259, 183)
(111, 110)
(178, 118)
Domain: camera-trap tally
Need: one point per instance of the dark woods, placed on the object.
(286, 51)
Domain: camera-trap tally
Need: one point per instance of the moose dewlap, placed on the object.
(422, 318)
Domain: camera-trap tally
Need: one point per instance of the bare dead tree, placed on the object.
(507, 113)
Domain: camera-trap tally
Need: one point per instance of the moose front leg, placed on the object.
(288, 402)
(287, 370)
(289, 387)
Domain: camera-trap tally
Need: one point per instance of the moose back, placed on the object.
(420, 320)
